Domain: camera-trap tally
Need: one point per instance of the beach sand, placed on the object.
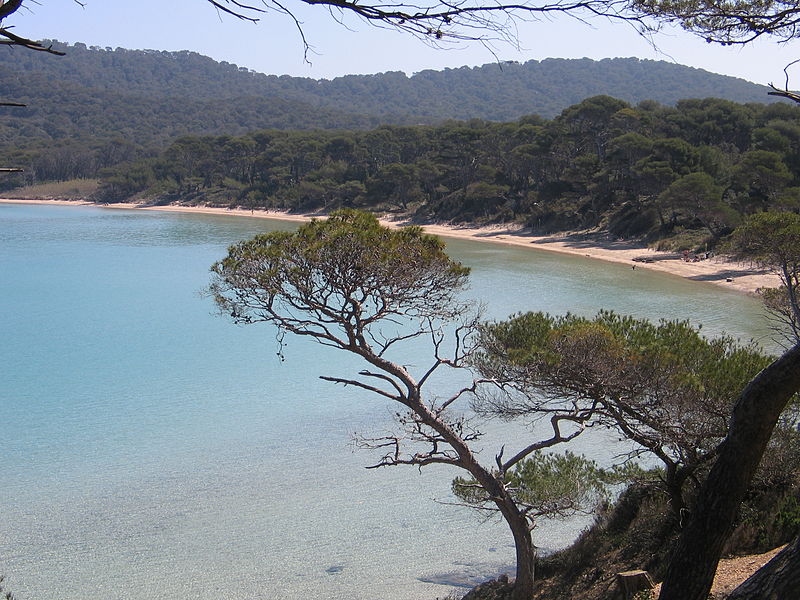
(717, 270)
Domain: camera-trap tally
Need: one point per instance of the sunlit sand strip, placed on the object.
(736, 276)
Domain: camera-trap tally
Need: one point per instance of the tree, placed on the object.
(698, 196)
(761, 176)
(694, 561)
(725, 22)
(670, 392)
(663, 387)
(353, 285)
(772, 239)
(737, 22)
(546, 485)
(395, 183)
(779, 578)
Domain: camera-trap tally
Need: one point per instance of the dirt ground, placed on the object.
(734, 571)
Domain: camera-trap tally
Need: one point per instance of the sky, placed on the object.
(273, 45)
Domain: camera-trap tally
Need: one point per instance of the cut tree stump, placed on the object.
(629, 583)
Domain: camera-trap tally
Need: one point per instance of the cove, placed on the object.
(151, 449)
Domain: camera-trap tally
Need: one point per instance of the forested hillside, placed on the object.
(95, 107)
(498, 92)
(689, 172)
(598, 161)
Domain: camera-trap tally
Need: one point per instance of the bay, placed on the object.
(151, 449)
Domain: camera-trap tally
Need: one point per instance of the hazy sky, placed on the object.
(274, 46)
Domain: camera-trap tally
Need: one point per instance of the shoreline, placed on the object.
(715, 270)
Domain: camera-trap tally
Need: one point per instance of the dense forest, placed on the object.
(688, 172)
(497, 92)
(178, 126)
(96, 107)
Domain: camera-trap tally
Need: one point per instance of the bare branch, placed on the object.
(11, 39)
(363, 386)
(557, 438)
(440, 21)
(466, 390)
(394, 457)
(240, 11)
(793, 96)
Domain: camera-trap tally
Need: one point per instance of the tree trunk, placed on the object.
(490, 482)
(526, 558)
(518, 524)
(694, 562)
(779, 579)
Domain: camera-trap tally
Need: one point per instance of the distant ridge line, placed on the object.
(495, 91)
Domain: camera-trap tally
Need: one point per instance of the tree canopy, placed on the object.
(354, 285)
(772, 239)
(725, 22)
(664, 387)
(686, 175)
(340, 279)
(755, 415)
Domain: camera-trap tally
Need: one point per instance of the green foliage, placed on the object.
(533, 339)
(347, 270)
(663, 386)
(789, 514)
(698, 196)
(117, 105)
(773, 240)
(650, 170)
(601, 164)
(547, 485)
(491, 91)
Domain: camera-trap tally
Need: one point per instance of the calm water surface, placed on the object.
(152, 450)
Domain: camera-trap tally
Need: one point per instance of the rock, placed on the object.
(334, 569)
(496, 589)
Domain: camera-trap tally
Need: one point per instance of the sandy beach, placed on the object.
(739, 277)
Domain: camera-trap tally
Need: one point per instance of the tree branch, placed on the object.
(558, 438)
(363, 386)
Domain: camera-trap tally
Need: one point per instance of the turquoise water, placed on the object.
(151, 449)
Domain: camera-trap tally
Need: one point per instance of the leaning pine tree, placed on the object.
(351, 284)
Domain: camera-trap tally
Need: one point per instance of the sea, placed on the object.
(151, 449)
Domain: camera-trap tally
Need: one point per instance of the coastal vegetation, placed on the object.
(686, 174)
(772, 239)
(354, 285)
(118, 105)
(351, 284)
(663, 387)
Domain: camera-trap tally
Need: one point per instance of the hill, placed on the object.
(498, 92)
(98, 107)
